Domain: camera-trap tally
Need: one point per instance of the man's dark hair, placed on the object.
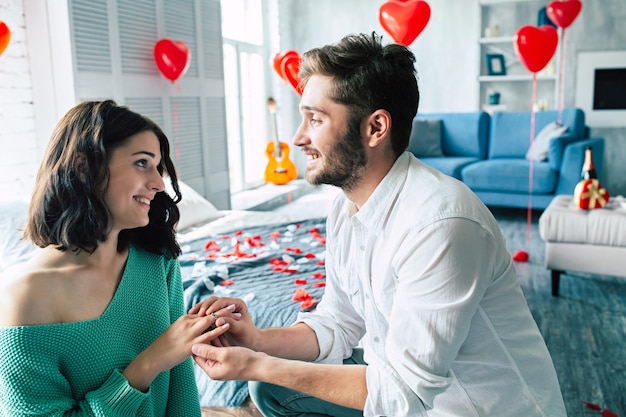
(367, 76)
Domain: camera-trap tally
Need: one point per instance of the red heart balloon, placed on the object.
(278, 60)
(5, 36)
(404, 20)
(535, 46)
(172, 58)
(563, 12)
(290, 67)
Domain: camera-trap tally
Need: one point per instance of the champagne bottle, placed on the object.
(589, 170)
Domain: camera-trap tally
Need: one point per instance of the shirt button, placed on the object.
(362, 247)
(376, 339)
(367, 296)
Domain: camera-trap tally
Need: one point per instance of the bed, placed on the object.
(273, 260)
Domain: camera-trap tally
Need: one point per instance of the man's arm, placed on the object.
(340, 384)
(293, 342)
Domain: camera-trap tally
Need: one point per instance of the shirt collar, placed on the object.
(375, 211)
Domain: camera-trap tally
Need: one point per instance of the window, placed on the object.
(246, 42)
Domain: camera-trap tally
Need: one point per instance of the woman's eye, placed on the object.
(141, 163)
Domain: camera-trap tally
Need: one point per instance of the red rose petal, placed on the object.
(320, 263)
(300, 295)
(306, 304)
(210, 244)
(608, 413)
(227, 282)
(309, 255)
(592, 406)
(318, 275)
(300, 282)
(319, 284)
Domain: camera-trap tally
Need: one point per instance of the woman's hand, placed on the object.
(174, 346)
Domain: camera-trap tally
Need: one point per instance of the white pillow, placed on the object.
(538, 151)
(194, 209)
(13, 250)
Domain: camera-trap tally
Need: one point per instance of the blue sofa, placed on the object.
(488, 153)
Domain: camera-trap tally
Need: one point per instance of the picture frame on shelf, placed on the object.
(495, 64)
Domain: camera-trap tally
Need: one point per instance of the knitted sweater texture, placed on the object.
(74, 369)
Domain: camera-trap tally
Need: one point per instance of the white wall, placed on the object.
(20, 154)
(448, 41)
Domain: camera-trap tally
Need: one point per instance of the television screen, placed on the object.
(609, 91)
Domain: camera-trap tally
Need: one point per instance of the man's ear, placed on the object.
(377, 127)
(81, 166)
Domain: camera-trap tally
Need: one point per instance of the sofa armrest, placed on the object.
(571, 166)
(557, 148)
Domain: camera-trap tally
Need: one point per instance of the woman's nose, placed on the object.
(157, 183)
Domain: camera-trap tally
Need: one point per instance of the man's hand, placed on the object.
(227, 363)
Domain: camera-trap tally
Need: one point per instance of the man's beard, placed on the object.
(344, 164)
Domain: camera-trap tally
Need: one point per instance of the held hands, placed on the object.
(174, 346)
(241, 331)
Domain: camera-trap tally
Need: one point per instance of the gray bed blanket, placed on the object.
(277, 269)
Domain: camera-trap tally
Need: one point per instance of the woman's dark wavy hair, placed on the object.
(368, 76)
(67, 207)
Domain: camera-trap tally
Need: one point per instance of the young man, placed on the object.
(417, 272)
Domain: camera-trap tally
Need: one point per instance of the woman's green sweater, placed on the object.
(74, 369)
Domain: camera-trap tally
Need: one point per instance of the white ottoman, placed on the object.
(592, 241)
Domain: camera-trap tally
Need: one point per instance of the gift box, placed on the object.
(589, 194)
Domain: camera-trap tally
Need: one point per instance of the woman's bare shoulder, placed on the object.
(28, 294)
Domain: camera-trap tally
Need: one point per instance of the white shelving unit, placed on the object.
(499, 21)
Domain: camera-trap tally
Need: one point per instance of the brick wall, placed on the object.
(19, 156)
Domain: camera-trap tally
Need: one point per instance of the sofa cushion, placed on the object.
(538, 150)
(450, 165)
(462, 134)
(425, 138)
(509, 175)
(509, 133)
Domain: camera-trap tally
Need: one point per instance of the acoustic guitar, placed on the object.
(280, 169)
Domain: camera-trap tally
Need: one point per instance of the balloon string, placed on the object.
(561, 75)
(176, 149)
(530, 167)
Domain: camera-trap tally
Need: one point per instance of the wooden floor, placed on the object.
(584, 328)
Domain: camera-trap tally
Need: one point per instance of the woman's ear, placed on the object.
(378, 126)
(81, 166)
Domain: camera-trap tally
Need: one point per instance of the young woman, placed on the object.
(94, 324)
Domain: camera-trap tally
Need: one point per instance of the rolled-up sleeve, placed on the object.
(336, 323)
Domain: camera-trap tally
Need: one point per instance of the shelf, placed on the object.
(491, 2)
(522, 77)
(498, 39)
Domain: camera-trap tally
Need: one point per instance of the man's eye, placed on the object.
(315, 121)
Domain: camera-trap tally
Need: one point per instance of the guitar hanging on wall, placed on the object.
(280, 169)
